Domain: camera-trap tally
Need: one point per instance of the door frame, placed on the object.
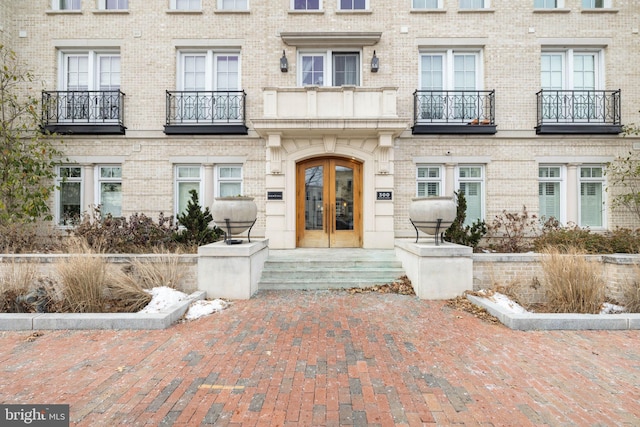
(334, 238)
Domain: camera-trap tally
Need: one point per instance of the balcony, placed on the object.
(205, 113)
(454, 112)
(578, 112)
(83, 112)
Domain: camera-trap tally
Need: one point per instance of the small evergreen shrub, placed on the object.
(469, 235)
(196, 224)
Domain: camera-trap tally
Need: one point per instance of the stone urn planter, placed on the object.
(432, 215)
(234, 215)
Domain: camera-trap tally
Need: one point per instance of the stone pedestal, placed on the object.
(231, 271)
(441, 271)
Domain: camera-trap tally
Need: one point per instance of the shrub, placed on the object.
(512, 231)
(469, 235)
(196, 222)
(620, 240)
(572, 283)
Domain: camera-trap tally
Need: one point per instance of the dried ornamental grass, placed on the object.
(83, 276)
(161, 270)
(125, 292)
(572, 284)
(631, 289)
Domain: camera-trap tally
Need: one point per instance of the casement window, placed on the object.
(92, 82)
(353, 4)
(551, 192)
(114, 4)
(109, 190)
(474, 4)
(210, 81)
(426, 4)
(329, 68)
(66, 4)
(185, 5)
(445, 75)
(68, 199)
(573, 70)
(233, 4)
(228, 180)
(471, 182)
(548, 4)
(306, 4)
(429, 181)
(596, 4)
(591, 203)
(187, 178)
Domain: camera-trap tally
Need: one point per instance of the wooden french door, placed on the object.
(329, 203)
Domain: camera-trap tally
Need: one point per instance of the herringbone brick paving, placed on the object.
(296, 358)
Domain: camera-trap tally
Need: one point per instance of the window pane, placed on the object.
(473, 195)
(183, 194)
(545, 4)
(230, 172)
(70, 202)
(70, 172)
(312, 70)
(111, 172)
(306, 4)
(188, 172)
(117, 4)
(227, 76)
(549, 193)
(471, 4)
(425, 4)
(432, 72)
(345, 69)
(230, 189)
(111, 199)
(591, 204)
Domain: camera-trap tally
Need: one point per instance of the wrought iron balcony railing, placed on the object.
(578, 111)
(83, 111)
(208, 112)
(453, 111)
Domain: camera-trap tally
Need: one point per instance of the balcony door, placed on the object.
(329, 203)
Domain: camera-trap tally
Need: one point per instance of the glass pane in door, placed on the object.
(344, 198)
(313, 208)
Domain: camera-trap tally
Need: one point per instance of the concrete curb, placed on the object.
(557, 321)
(52, 321)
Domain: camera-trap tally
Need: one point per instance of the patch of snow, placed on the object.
(163, 297)
(608, 308)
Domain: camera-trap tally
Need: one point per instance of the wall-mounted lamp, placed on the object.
(284, 64)
(375, 63)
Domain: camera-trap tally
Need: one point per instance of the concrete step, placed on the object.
(329, 269)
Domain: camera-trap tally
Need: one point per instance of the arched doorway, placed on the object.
(329, 203)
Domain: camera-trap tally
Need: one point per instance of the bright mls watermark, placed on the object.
(34, 415)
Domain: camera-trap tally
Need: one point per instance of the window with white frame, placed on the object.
(353, 4)
(429, 181)
(571, 70)
(444, 75)
(187, 178)
(185, 4)
(306, 4)
(474, 4)
(92, 82)
(596, 4)
(114, 4)
(548, 4)
(211, 84)
(228, 180)
(591, 196)
(550, 192)
(66, 4)
(109, 186)
(471, 182)
(329, 68)
(426, 4)
(68, 195)
(233, 4)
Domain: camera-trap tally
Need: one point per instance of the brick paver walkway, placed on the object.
(327, 359)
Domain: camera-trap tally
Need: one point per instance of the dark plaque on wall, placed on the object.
(274, 195)
(384, 195)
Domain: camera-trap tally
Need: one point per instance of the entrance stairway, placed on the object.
(329, 268)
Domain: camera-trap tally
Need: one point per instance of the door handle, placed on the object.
(325, 227)
(333, 215)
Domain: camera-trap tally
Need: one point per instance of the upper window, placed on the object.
(449, 70)
(185, 4)
(110, 190)
(596, 4)
(233, 4)
(550, 188)
(114, 4)
(66, 4)
(188, 177)
(307, 4)
(209, 71)
(471, 183)
(429, 182)
(68, 195)
(474, 4)
(548, 4)
(426, 4)
(229, 180)
(329, 68)
(591, 196)
(353, 4)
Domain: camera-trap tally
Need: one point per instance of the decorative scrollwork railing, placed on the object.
(205, 107)
(454, 107)
(578, 106)
(83, 107)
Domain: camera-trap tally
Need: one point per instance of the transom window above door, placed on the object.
(329, 68)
